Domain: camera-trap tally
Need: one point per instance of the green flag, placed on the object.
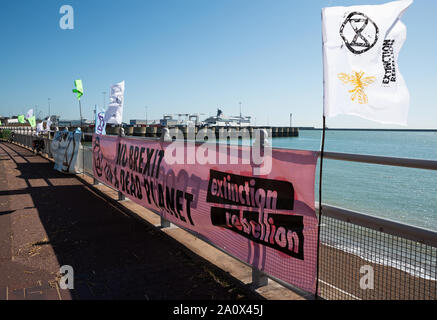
(32, 121)
(21, 118)
(79, 88)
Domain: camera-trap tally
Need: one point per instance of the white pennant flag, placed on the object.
(39, 127)
(114, 113)
(29, 114)
(48, 125)
(361, 46)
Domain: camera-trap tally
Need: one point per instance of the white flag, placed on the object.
(29, 114)
(39, 127)
(48, 125)
(361, 46)
(114, 113)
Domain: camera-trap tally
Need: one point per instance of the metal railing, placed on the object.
(361, 256)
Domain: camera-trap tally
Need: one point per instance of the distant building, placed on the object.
(168, 121)
(184, 120)
(138, 122)
(74, 123)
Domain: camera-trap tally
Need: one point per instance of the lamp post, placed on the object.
(240, 113)
(104, 99)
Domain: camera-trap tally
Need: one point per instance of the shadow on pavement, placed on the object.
(113, 255)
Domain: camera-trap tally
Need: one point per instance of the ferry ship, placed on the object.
(192, 120)
(220, 120)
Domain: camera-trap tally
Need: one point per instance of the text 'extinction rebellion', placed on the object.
(282, 232)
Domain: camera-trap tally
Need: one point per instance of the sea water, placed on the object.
(404, 195)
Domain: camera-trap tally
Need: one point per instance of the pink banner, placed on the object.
(267, 220)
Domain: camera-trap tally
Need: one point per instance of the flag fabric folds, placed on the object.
(29, 114)
(39, 127)
(48, 125)
(361, 45)
(79, 88)
(114, 113)
(21, 118)
(32, 121)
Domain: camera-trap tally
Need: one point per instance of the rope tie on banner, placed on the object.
(322, 149)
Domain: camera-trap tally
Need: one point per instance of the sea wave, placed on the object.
(417, 269)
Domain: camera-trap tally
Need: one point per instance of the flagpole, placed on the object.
(81, 137)
(322, 150)
(80, 111)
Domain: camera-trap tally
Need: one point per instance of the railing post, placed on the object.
(121, 196)
(165, 136)
(165, 223)
(261, 141)
(259, 278)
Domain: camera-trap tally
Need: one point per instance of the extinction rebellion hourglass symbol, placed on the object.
(359, 33)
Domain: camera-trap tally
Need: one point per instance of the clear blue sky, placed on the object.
(180, 56)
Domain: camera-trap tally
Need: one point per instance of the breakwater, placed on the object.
(156, 131)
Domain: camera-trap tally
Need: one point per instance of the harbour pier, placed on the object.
(155, 131)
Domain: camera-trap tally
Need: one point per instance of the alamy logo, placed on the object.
(67, 20)
(359, 33)
(67, 279)
(367, 281)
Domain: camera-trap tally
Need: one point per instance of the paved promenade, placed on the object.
(49, 219)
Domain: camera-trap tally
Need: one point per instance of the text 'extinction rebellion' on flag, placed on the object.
(361, 46)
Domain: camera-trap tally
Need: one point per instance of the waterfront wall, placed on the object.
(154, 132)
